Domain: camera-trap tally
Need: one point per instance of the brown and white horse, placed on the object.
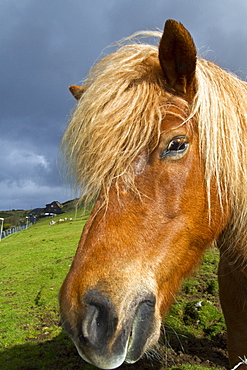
(159, 140)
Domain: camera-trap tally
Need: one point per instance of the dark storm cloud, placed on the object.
(48, 45)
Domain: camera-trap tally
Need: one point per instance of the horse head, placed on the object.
(150, 226)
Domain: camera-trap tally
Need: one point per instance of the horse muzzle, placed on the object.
(106, 340)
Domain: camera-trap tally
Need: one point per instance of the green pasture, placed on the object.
(33, 264)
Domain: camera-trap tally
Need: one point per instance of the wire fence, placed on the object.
(13, 230)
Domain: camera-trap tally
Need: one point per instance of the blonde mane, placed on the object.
(221, 110)
(120, 115)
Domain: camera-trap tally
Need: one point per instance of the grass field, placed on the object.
(34, 263)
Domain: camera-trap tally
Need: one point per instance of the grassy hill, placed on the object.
(34, 263)
(15, 216)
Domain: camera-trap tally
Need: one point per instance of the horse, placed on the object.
(157, 142)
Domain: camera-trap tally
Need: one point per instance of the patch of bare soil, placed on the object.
(195, 351)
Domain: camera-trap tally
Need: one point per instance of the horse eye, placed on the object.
(176, 147)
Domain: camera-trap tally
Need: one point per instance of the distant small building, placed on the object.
(54, 208)
(36, 212)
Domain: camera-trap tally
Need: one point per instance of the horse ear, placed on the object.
(77, 91)
(177, 56)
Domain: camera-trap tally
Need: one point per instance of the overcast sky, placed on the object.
(47, 45)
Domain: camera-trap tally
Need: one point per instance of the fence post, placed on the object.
(1, 229)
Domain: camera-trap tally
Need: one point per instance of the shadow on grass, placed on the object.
(60, 353)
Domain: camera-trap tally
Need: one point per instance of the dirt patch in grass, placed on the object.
(199, 351)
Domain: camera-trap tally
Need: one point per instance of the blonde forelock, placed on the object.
(119, 116)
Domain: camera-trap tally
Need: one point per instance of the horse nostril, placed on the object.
(142, 328)
(89, 325)
(100, 319)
